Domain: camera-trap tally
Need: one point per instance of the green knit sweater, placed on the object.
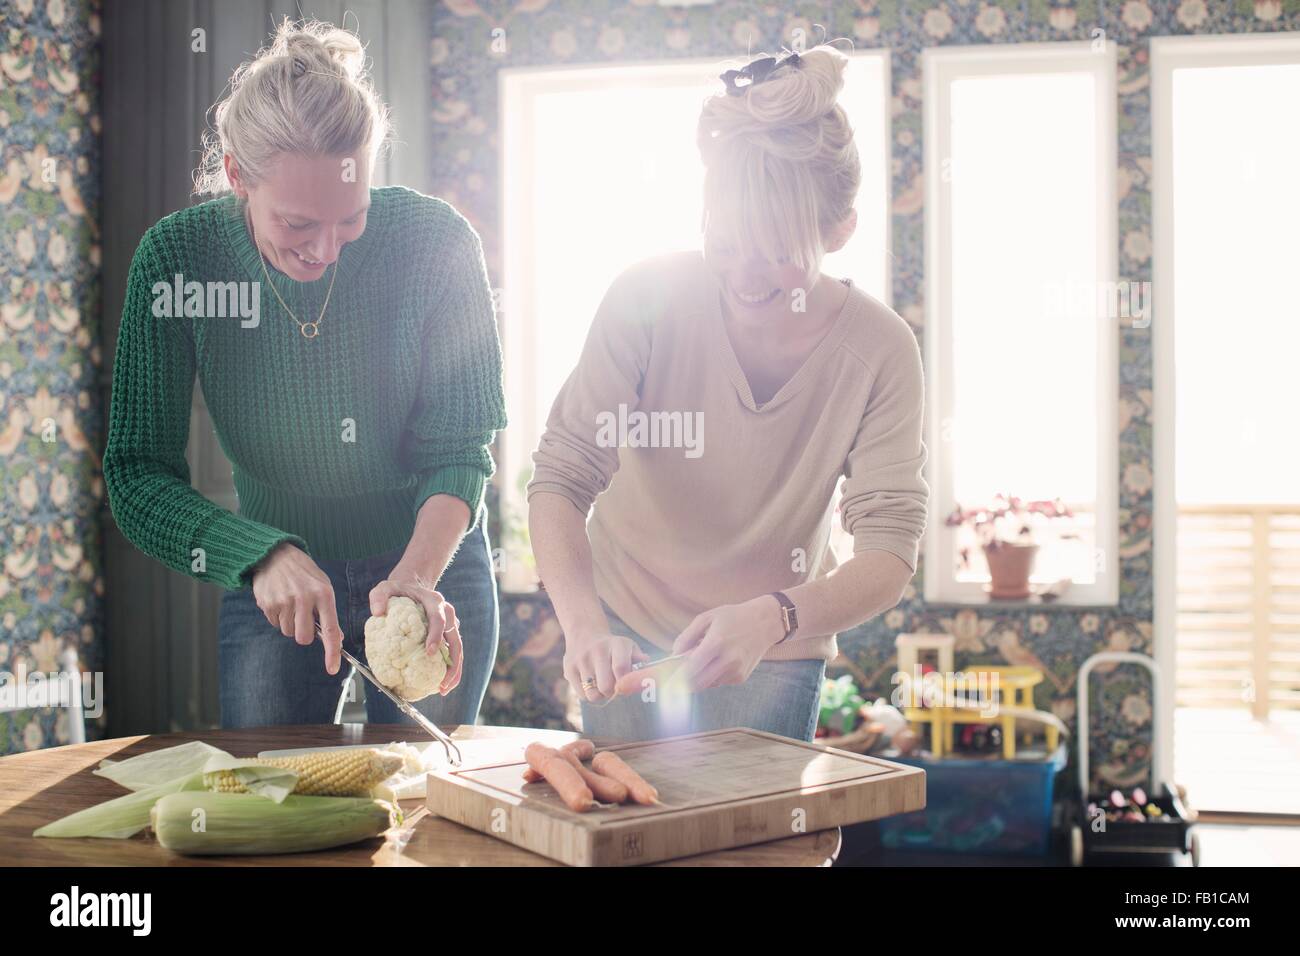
(336, 441)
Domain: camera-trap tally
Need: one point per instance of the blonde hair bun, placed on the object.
(793, 95)
(319, 48)
(308, 92)
(781, 165)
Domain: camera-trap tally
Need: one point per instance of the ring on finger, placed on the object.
(588, 683)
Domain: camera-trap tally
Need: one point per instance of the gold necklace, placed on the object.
(303, 327)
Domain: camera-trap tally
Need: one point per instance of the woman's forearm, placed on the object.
(144, 467)
(870, 583)
(439, 525)
(563, 552)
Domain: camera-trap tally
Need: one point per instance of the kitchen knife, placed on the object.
(427, 725)
(641, 665)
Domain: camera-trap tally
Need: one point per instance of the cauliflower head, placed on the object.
(395, 651)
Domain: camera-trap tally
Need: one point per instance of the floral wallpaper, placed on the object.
(472, 39)
(50, 486)
(51, 581)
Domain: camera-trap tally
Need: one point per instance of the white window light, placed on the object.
(1227, 172)
(1022, 315)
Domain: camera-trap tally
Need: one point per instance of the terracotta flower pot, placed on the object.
(1010, 566)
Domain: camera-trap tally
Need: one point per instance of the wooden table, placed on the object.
(45, 785)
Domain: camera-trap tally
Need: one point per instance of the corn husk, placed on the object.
(203, 823)
(121, 818)
(158, 774)
(154, 775)
(273, 783)
(160, 766)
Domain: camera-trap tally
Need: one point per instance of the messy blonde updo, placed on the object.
(308, 92)
(781, 167)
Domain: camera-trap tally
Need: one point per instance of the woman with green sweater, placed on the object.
(345, 340)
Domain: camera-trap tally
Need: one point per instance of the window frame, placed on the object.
(1167, 55)
(940, 67)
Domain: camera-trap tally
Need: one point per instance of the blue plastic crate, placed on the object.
(979, 806)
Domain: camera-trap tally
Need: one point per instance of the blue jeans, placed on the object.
(780, 697)
(269, 679)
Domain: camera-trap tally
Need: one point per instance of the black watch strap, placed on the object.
(789, 614)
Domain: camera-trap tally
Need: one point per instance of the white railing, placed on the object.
(1239, 607)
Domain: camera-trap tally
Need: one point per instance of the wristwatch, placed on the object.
(789, 615)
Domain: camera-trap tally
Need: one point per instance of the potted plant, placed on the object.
(1004, 529)
(843, 719)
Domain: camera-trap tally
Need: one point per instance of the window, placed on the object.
(599, 170)
(1023, 307)
(1236, 199)
(1225, 150)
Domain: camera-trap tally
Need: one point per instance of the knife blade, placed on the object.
(642, 665)
(405, 706)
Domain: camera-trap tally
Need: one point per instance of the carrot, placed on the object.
(612, 765)
(537, 754)
(606, 789)
(560, 775)
(583, 749)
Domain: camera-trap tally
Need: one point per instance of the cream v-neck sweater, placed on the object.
(703, 498)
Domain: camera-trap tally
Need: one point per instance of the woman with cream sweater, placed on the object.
(717, 548)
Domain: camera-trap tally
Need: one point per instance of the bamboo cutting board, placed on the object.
(719, 789)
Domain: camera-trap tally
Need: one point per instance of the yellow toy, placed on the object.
(983, 694)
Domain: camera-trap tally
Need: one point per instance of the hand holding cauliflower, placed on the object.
(395, 650)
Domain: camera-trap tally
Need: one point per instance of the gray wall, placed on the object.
(161, 627)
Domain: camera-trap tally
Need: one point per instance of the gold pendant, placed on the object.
(310, 329)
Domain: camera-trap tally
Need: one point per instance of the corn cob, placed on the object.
(200, 823)
(337, 773)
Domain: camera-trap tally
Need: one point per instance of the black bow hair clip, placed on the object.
(739, 81)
